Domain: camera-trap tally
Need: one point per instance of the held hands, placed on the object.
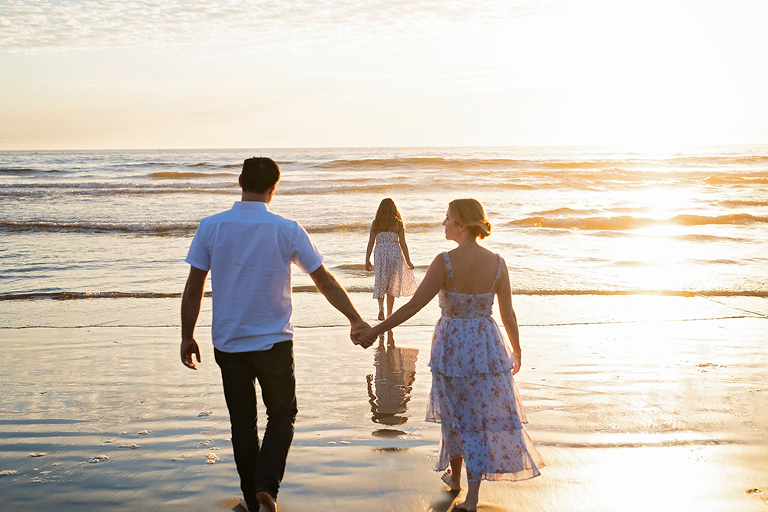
(363, 335)
(358, 327)
(188, 347)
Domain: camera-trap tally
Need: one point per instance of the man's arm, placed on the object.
(337, 296)
(190, 310)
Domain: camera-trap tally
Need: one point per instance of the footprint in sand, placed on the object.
(8, 472)
(98, 459)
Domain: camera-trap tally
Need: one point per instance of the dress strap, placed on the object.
(498, 274)
(449, 269)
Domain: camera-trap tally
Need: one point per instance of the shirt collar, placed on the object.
(249, 205)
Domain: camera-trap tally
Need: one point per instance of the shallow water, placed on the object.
(89, 224)
(616, 410)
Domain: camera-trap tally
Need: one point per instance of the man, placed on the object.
(249, 251)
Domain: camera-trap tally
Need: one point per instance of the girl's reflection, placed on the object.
(390, 389)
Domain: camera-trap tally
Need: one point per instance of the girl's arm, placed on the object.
(428, 288)
(371, 240)
(508, 317)
(404, 247)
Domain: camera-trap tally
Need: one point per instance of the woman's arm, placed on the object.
(371, 240)
(428, 288)
(404, 247)
(508, 317)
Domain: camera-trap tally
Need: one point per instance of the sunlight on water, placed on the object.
(567, 220)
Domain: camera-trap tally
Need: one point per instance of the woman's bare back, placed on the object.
(474, 270)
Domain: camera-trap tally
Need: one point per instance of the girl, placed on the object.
(394, 270)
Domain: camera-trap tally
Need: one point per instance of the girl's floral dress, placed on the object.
(474, 396)
(393, 277)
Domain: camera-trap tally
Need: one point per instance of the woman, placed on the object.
(394, 270)
(473, 396)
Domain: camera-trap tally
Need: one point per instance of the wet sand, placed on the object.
(659, 407)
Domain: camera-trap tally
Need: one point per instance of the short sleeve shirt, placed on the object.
(249, 251)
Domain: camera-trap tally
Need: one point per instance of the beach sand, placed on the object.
(635, 403)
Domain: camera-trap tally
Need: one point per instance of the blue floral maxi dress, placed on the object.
(474, 396)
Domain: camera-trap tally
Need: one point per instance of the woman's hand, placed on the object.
(363, 336)
(410, 265)
(368, 266)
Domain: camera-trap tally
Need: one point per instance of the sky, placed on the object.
(122, 74)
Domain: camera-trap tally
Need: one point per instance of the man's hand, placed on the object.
(189, 347)
(358, 328)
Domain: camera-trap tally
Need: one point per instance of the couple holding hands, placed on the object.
(249, 252)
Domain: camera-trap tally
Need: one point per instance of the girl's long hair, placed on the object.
(387, 217)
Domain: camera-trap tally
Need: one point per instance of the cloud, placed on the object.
(92, 24)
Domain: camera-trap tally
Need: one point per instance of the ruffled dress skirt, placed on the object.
(474, 396)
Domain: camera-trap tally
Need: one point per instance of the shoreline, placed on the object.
(659, 414)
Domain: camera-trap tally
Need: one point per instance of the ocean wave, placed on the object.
(75, 295)
(22, 171)
(173, 228)
(135, 228)
(183, 175)
(698, 237)
(625, 222)
(474, 163)
(365, 227)
(718, 161)
(543, 163)
(14, 190)
(742, 202)
(735, 180)
(422, 162)
(177, 164)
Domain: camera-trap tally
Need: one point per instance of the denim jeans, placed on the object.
(260, 468)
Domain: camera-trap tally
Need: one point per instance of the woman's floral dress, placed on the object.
(474, 396)
(393, 277)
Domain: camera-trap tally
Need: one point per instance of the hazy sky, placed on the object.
(312, 73)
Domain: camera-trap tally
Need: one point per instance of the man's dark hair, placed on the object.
(259, 173)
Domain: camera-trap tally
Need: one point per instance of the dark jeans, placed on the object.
(260, 469)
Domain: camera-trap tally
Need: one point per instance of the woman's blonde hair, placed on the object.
(470, 213)
(387, 217)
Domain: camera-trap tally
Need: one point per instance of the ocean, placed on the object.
(100, 237)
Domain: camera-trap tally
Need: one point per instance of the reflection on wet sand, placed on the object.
(390, 388)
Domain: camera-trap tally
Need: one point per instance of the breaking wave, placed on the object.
(624, 222)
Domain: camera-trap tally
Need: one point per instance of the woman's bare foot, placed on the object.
(466, 506)
(266, 502)
(449, 480)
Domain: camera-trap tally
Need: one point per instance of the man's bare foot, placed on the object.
(266, 502)
(466, 506)
(447, 477)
